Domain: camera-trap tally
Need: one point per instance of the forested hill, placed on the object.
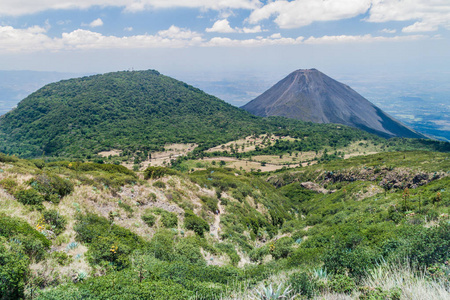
(118, 110)
(144, 110)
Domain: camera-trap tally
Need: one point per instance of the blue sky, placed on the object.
(180, 37)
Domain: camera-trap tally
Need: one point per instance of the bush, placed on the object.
(110, 244)
(51, 185)
(197, 224)
(210, 203)
(341, 259)
(29, 197)
(149, 219)
(258, 254)
(230, 251)
(9, 185)
(13, 270)
(34, 243)
(55, 220)
(159, 184)
(429, 245)
(168, 219)
(301, 283)
(282, 248)
(189, 252)
(62, 258)
(157, 172)
(342, 284)
(161, 245)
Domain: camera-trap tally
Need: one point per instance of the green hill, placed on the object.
(119, 110)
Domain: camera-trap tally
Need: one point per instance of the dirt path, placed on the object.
(215, 228)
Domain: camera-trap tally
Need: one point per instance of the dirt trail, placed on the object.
(215, 228)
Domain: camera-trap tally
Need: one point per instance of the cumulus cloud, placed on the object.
(385, 30)
(96, 23)
(12, 8)
(368, 38)
(36, 39)
(256, 42)
(427, 15)
(300, 13)
(222, 26)
(254, 29)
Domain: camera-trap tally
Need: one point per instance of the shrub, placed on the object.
(157, 172)
(161, 245)
(51, 185)
(230, 251)
(62, 258)
(188, 251)
(108, 243)
(282, 248)
(301, 283)
(34, 243)
(55, 220)
(258, 254)
(429, 245)
(126, 207)
(341, 258)
(29, 197)
(13, 270)
(159, 184)
(168, 219)
(210, 203)
(197, 224)
(342, 284)
(9, 185)
(39, 163)
(149, 219)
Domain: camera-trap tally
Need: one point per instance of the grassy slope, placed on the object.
(358, 211)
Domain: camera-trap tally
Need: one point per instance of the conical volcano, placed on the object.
(312, 96)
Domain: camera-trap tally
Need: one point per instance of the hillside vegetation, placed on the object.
(140, 112)
(99, 231)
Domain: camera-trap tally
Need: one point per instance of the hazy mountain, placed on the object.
(310, 95)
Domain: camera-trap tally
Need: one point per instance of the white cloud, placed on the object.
(175, 32)
(13, 8)
(96, 23)
(222, 26)
(368, 38)
(428, 15)
(385, 30)
(35, 38)
(129, 29)
(29, 39)
(421, 27)
(276, 36)
(256, 42)
(254, 29)
(300, 13)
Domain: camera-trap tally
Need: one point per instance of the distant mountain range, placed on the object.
(310, 95)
